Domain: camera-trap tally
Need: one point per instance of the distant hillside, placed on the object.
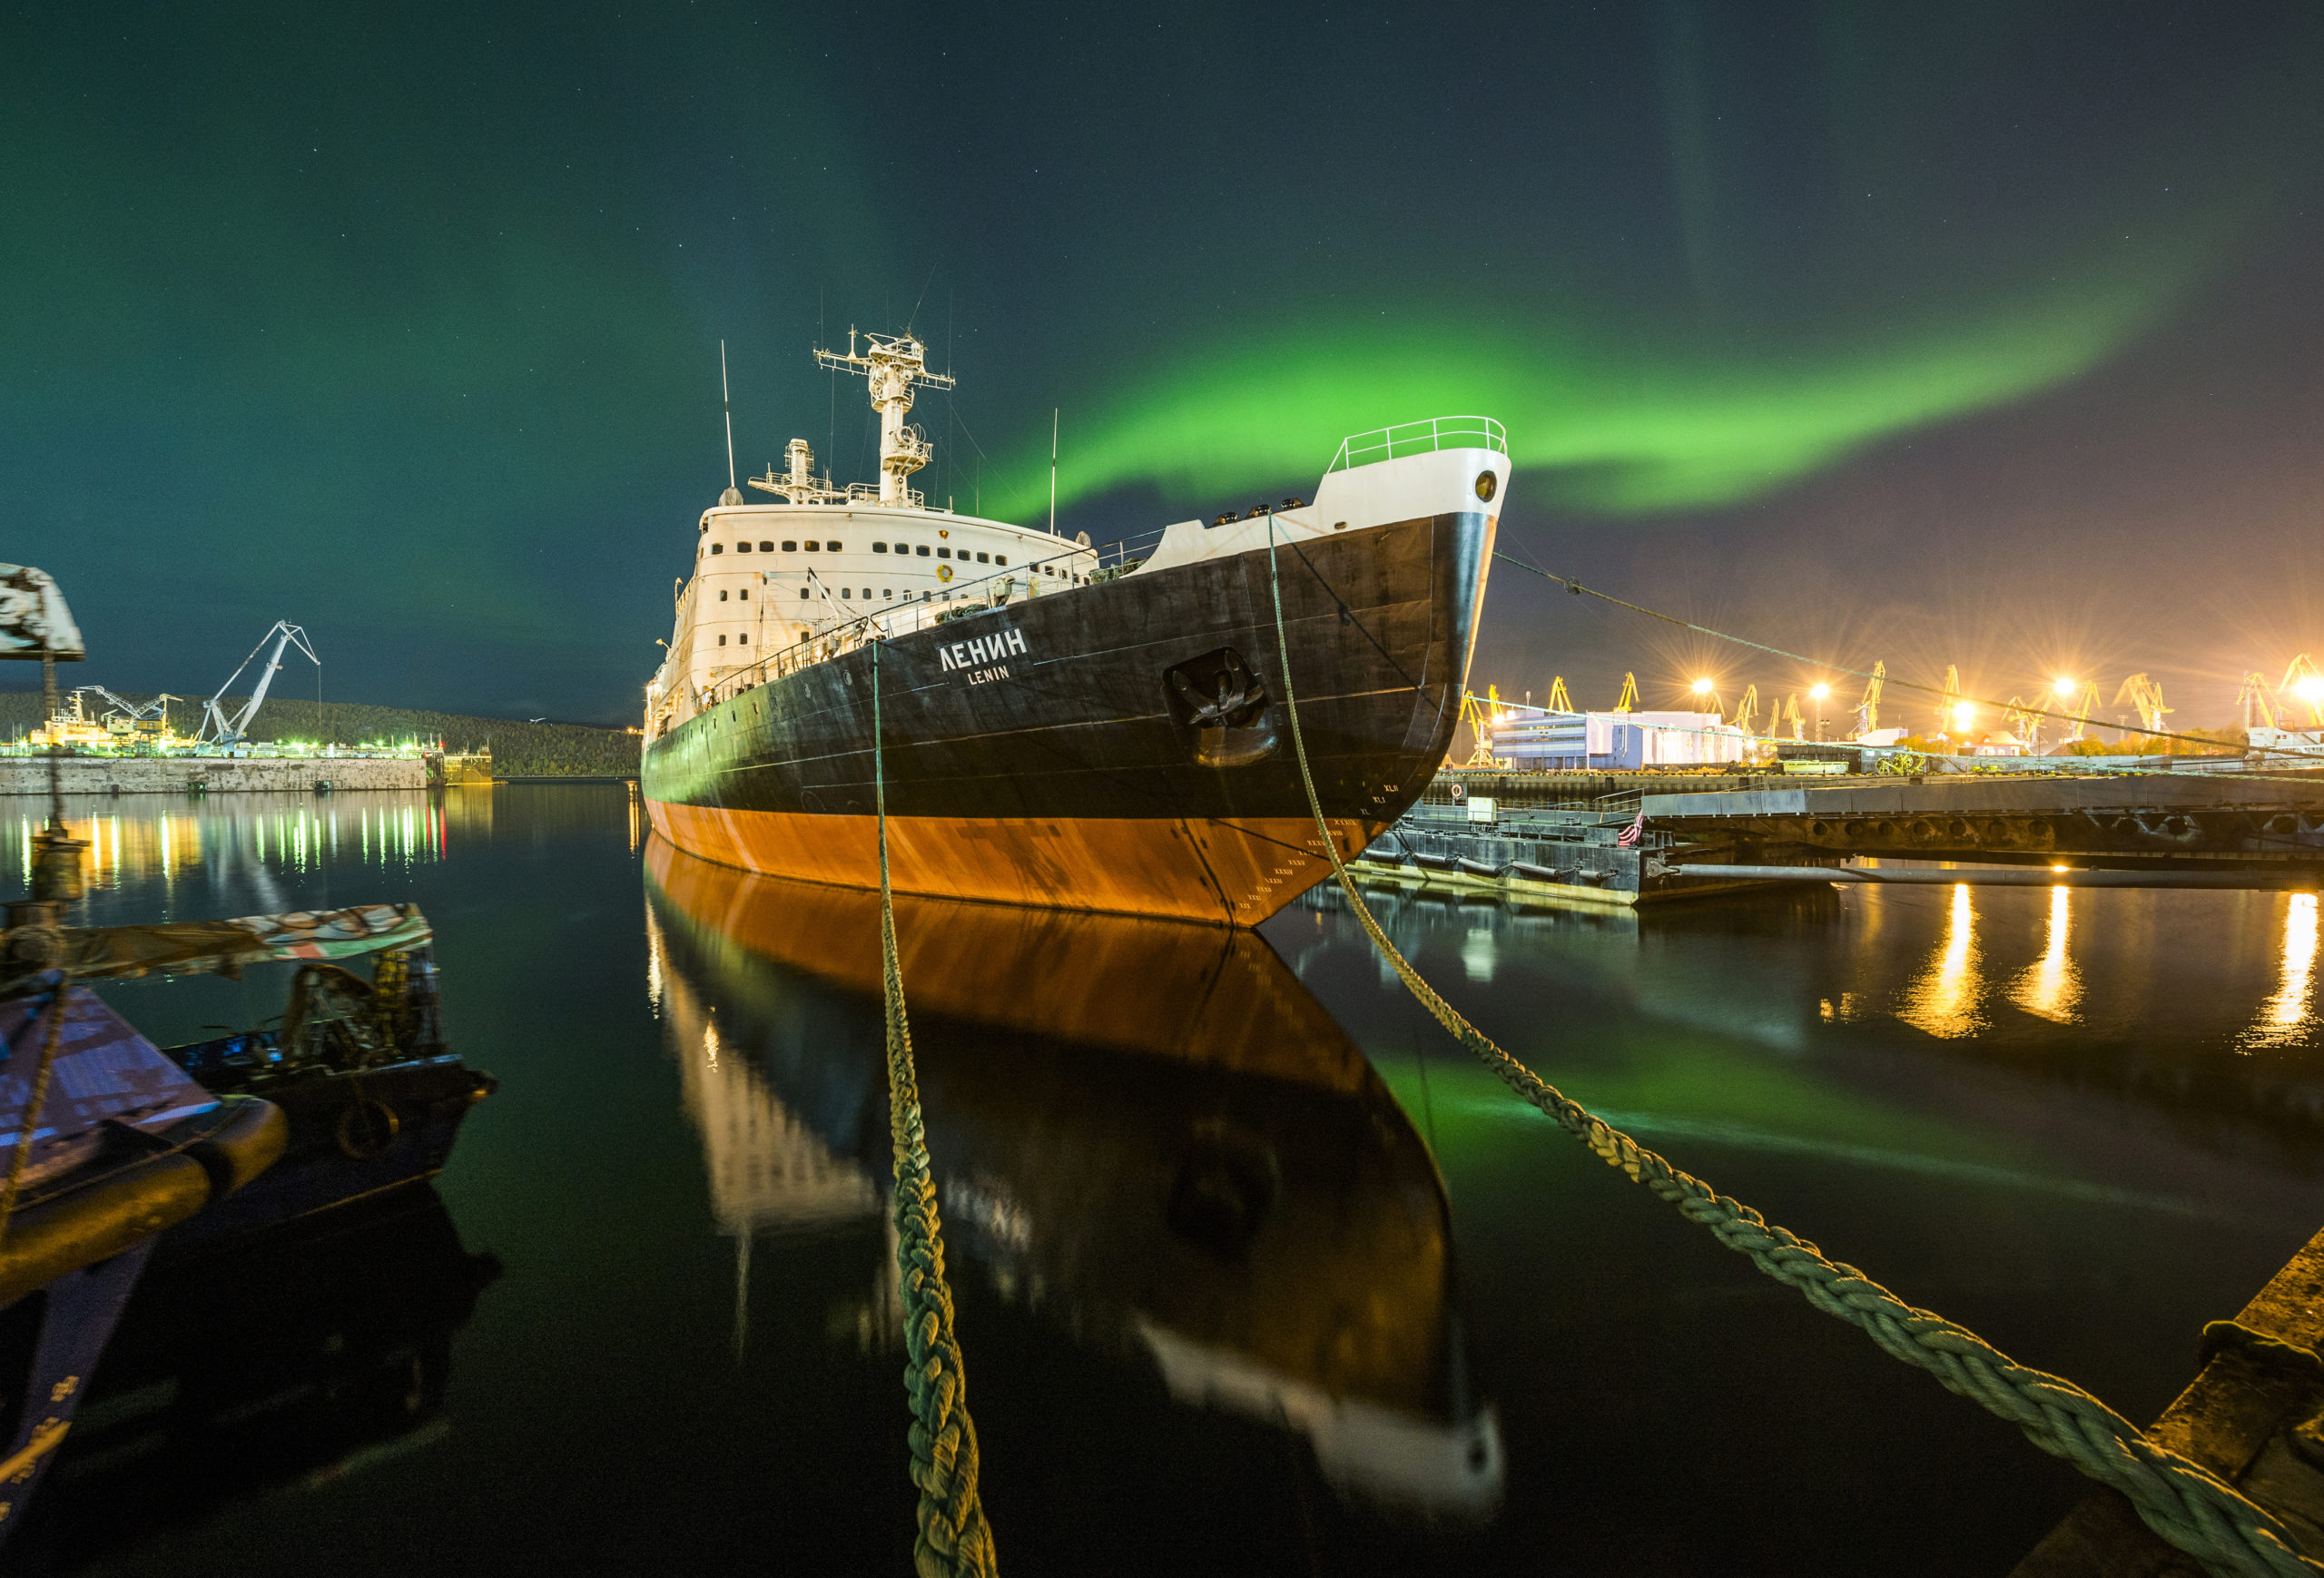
(520, 749)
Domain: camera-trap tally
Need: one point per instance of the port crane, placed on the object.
(1560, 702)
(2257, 712)
(1628, 701)
(154, 711)
(2303, 683)
(1868, 711)
(2146, 696)
(1787, 714)
(1949, 700)
(221, 732)
(1481, 714)
(1746, 711)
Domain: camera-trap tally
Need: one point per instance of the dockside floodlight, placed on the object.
(1819, 691)
(1964, 714)
(1702, 687)
(2066, 686)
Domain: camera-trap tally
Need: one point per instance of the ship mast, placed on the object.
(893, 365)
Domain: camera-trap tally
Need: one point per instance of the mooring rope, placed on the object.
(953, 1537)
(2178, 1499)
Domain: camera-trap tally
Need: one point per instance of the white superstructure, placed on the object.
(774, 584)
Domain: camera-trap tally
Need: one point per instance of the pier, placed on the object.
(1627, 838)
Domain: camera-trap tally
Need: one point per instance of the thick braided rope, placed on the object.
(2178, 1499)
(953, 1536)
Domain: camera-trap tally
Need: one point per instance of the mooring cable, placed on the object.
(2178, 1499)
(953, 1537)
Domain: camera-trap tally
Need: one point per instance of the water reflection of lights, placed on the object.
(171, 843)
(1944, 1000)
(2051, 987)
(2284, 1017)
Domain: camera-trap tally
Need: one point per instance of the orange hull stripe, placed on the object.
(1235, 872)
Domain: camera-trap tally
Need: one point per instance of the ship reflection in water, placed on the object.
(1148, 1135)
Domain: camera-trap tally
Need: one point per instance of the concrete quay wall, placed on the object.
(214, 775)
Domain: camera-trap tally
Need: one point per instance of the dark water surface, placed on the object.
(1255, 1271)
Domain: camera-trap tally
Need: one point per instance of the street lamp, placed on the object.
(1819, 692)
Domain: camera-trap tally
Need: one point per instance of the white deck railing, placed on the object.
(1419, 439)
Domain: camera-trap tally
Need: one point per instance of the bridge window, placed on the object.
(1000, 558)
(721, 597)
(922, 550)
(879, 547)
(811, 545)
(766, 547)
(742, 547)
(803, 593)
(722, 641)
(745, 594)
(718, 547)
(791, 548)
(743, 640)
(984, 559)
(832, 545)
(889, 592)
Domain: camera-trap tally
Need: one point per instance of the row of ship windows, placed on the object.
(848, 592)
(835, 545)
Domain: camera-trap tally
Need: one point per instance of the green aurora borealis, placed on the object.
(404, 325)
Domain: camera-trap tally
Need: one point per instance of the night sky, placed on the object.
(1982, 334)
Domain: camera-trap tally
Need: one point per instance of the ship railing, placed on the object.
(1421, 437)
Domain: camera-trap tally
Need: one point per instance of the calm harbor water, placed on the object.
(1256, 1272)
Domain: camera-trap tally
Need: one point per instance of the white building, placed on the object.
(1538, 741)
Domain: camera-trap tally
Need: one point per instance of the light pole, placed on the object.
(1819, 693)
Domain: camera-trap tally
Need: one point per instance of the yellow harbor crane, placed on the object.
(2065, 690)
(1560, 702)
(1746, 711)
(1629, 699)
(2146, 696)
(1787, 714)
(2303, 683)
(2253, 699)
(1868, 711)
(2024, 722)
(1481, 714)
(1949, 700)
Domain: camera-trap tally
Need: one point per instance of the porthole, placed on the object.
(1487, 486)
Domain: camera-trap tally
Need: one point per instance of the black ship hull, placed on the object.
(1119, 747)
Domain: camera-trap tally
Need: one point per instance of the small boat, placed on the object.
(135, 1151)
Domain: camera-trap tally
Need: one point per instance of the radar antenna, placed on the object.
(893, 365)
